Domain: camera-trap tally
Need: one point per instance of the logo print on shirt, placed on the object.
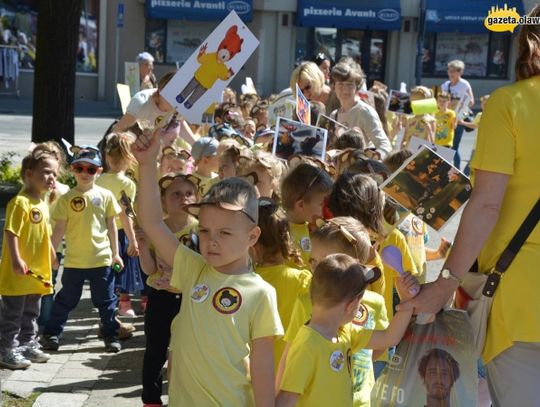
(305, 244)
(199, 293)
(227, 300)
(337, 360)
(35, 215)
(96, 201)
(78, 204)
(361, 316)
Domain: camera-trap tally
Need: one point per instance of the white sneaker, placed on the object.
(12, 359)
(32, 351)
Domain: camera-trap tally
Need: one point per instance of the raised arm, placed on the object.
(146, 150)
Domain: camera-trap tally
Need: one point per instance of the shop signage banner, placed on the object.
(203, 10)
(372, 14)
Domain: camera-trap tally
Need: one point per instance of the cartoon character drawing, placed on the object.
(227, 300)
(212, 68)
(78, 204)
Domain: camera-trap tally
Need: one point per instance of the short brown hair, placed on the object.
(336, 279)
(303, 182)
(396, 160)
(348, 72)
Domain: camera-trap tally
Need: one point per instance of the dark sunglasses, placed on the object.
(79, 169)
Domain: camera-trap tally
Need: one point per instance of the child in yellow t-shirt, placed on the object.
(26, 249)
(222, 340)
(422, 126)
(267, 170)
(349, 236)
(204, 153)
(446, 121)
(177, 190)
(318, 365)
(304, 190)
(272, 253)
(86, 216)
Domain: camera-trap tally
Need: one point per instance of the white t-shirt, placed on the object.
(458, 90)
(143, 107)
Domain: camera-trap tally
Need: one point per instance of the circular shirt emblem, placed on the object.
(96, 201)
(227, 300)
(305, 244)
(199, 293)
(337, 360)
(35, 215)
(417, 225)
(361, 316)
(78, 204)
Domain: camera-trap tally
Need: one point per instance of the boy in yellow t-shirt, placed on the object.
(318, 367)
(303, 192)
(221, 350)
(446, 121)
(86, 216)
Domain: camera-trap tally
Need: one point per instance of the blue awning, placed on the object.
(463, 16)
(361, 14)
(202, 10)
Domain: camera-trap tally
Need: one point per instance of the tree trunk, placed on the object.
(54, 75)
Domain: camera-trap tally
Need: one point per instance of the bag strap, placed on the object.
(512, 250)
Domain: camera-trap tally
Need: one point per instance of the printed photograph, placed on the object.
(293, 137)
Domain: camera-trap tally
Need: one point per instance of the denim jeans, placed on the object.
(458, 134)
(102, 293)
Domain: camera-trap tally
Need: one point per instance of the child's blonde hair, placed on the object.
(303, 182)
(266, 162)
(336, 279)
(275, 234)
(118, 148)
(349, 233)
(420, 93)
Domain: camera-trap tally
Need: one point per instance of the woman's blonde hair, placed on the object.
(528, 60)
(310, 72)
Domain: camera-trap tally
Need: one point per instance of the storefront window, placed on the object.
(18, 28)
(155, 39)
(484, 55)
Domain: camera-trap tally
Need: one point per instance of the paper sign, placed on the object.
(424, 106)
(123, 95)
(132, 77)
(203, 77)
(399, 102)
(283, 106)
(334, 128)
(429, 186)
(249, 87)
(292, 137)
(303, 111)
(416, 143)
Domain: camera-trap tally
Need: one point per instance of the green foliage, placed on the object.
(8, 172)
(67, 178)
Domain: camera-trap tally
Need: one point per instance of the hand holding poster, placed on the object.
(293, 137)
(303, 109)
(201, 80)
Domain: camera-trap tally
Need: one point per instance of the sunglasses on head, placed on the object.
(268, 204)
(89, 169)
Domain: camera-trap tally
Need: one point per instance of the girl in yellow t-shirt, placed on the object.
(27, 255)
(177, 190)
(273, 255)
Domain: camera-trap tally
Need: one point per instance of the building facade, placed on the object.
(382, 35)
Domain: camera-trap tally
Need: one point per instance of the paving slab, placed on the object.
(60, 400)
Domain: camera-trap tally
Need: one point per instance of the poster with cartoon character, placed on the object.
(292, 137)
(202, 79)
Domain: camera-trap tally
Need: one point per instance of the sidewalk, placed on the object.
(83, 108)
(81, 373)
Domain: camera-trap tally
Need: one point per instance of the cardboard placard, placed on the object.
(424, 106)
(292, 137)
(132, 77)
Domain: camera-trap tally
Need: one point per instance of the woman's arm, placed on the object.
(261, 360)
(127, 224)
(125, 122)
(477, 222)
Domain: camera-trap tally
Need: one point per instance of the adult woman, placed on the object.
(310, 80)
(146, 71)
(456, 86)
(324, 63)
(507, 180)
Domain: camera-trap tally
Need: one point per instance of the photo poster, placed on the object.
(429, 186)
(335, 129)
(399, 102)
(367, 97)
(132, 77)
(292, 137)
(303, 108)
(435, 361)
(202, 79)
(284, 106)
(416, 143)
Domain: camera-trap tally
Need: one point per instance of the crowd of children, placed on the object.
(261, 280)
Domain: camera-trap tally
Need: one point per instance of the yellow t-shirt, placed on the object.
(289, 283)
(116, 183)
(86, 213)
(372, 315)
(508, 143)
(28, 219)
(302, 241)
(220, 316)
(161, 278)
(444, 133)
(205, 182)
(320, 370)
(210, 70)
(415, 232)
(60, 190)
(395, 238)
